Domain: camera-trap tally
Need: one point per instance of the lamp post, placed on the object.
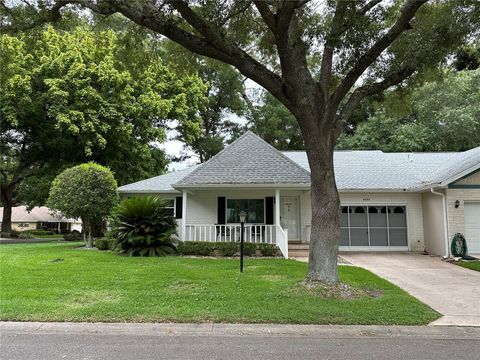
(243, 216)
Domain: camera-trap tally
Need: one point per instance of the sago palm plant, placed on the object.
(142, 226)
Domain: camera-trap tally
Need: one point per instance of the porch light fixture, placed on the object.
(243, 217)
(457, 204)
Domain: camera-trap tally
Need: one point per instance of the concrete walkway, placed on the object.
(451, 290)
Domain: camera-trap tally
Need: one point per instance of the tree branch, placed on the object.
(337, 28)
(402, 24)
(266, 14)
(210, 43)
(369, 6)
(362, 92)
(236, 12)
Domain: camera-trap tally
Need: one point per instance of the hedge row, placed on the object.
(203, 248)
(41, 232)
(226, 249)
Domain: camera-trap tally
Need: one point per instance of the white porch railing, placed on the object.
(282, 242)
(254, 233)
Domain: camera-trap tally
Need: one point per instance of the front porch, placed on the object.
(274, 216)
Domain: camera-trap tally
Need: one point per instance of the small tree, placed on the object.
(87, 191)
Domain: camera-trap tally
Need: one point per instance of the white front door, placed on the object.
(289, 216)
(472, 227)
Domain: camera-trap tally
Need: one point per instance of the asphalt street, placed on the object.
(237, 342)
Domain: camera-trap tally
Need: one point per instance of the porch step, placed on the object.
(297, 250)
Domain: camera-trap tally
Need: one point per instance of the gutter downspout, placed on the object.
(445, 220)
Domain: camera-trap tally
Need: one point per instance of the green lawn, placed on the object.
(474, 265)
(89, 285)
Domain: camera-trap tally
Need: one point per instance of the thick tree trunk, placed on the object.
(325, 230)
(7, 203)
(85, 231)
(90, 235)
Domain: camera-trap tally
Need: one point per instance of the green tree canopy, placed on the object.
(86, 191)
(69, 97)
(441, 115)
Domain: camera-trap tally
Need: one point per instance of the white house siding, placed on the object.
(412, 201)
(433, 223)
(456, 216)
(202, 204)
(202, 207)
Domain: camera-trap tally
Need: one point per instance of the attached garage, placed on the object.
(472, 226)
(373, 227)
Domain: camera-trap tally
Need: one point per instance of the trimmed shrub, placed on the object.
(143, 226)
(25, 235)
(104, 243)
(13, 234)
(75, 235)
(226, 249)
(197, 248)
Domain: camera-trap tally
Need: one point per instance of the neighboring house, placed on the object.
(389, 201)
(41, 218)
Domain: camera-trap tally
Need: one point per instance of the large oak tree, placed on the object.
(318, 58)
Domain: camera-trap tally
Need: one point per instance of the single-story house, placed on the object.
(389, 201)
(41, 218)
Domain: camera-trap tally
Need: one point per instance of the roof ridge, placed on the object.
(199, 166)
(245, 138)
(283, 155)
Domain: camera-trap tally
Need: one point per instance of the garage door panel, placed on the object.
(377, 216)
(472, 227)
(373, 226)
(396, 216)
(344, 237)
(378, 237)
(358, 216)
(359, 237)
(398, 237)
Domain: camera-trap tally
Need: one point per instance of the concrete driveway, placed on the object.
(451, 290)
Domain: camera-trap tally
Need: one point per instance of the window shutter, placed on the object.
(178, 207)
(221, 210)
(269, 216)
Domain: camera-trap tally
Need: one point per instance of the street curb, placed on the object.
(219, 329)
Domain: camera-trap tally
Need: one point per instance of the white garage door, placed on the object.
(472, 227)
(373, 227)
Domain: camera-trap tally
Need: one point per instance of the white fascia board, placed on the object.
(396, 190)
(460, 175)
(242, 186)
(126, 192)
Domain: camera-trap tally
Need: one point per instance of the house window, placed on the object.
(23, 225)
(170, 207)
(255, 209)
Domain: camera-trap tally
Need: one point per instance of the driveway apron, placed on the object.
(451, 290)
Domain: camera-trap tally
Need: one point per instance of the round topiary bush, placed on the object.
(87, 191)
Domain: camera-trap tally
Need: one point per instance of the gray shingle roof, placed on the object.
(376, 170)
(248, 160)
(461, 162)
(157, 184)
